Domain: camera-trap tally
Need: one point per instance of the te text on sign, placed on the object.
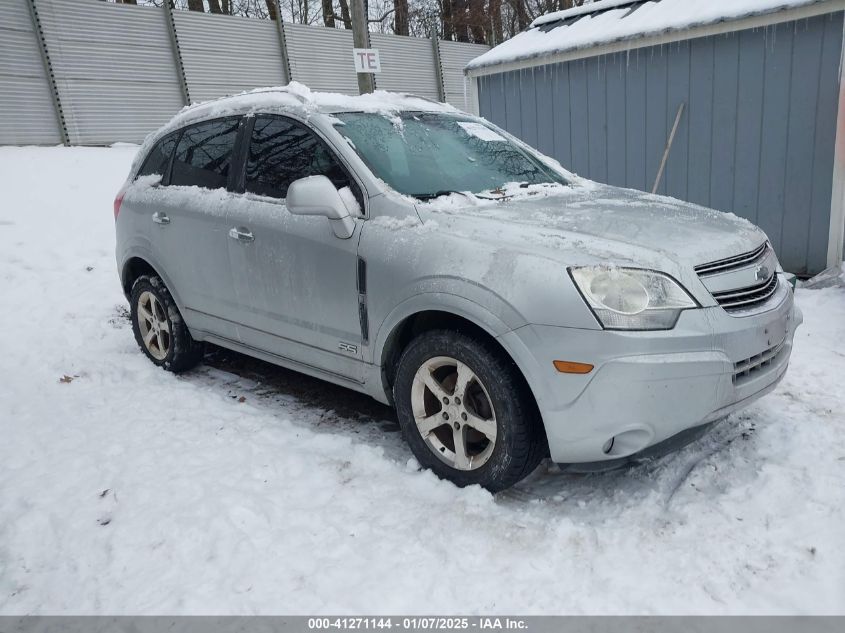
(366, 60)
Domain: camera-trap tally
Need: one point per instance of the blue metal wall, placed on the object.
(756, 136)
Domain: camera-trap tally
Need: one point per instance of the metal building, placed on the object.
(751, 87)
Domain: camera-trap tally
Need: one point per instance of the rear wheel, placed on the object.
(158, 326)
(466, 411)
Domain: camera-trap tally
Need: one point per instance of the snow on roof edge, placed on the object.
(534, 43)
(590, 7)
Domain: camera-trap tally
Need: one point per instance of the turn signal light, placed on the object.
(570, 367)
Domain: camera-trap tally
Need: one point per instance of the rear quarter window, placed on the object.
(158, 160)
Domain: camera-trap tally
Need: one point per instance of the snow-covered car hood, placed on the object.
(598, 222)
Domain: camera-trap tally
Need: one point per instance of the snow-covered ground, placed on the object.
(242, 488)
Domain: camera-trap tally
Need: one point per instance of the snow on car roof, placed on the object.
(607, 21)
(298, 98)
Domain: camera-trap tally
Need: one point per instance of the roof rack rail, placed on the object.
(281, 89)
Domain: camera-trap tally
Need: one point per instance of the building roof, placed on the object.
(609, 21)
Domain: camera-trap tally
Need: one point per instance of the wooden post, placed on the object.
(668, 147)
(361, 39)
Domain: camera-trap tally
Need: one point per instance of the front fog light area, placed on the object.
(632, 298)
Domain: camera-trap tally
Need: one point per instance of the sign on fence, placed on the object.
(366, 60)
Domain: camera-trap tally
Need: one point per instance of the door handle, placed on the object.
(241, 234)
(160, 218)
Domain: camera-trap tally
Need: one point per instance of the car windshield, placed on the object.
(426, 155)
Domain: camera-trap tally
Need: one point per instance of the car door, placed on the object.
(295, 281)
(192, 227)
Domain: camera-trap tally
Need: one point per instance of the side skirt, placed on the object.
(369, 386)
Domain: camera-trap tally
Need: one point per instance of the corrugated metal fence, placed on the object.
(88, 72)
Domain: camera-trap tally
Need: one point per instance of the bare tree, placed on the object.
(345, 15)
(400, 17)
(496, 32)
(481, 21)
(328, 13)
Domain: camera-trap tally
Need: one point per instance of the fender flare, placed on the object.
(144, 253)
(457, 305)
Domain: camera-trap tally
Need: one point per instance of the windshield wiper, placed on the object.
(437, 194)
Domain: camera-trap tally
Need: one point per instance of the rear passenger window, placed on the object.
(204, 154)
(282, 151)
(158, 160)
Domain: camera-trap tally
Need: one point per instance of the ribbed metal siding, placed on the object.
(407, 64)
(27, 115)
(224, 54)
(756, 137)
(453, 57)
(114, 67)
(321, 58)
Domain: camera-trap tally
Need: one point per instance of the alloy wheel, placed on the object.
(154, 326)
(453, 413)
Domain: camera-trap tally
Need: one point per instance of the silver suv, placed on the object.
(507, 308)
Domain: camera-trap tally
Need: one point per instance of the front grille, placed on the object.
(748, 297)
(747, 368)
(731, 263)
(735, 282)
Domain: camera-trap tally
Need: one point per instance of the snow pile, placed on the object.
(240, 488)
(833, 276)
(618, 20)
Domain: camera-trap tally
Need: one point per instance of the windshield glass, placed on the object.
(430, 154)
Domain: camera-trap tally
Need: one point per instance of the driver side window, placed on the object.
(281, 151)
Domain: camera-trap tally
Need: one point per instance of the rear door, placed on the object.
(295, 281)
(191, 224)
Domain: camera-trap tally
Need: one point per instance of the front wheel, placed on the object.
(466, 412)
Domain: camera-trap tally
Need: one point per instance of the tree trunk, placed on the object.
(459, 20)
(196, 5)
(226, 5)
(344, 13)
(477, 19)
(328, 13)
(496, 22)
(522, 19)
(214, 6)
(446, 18)
(400, 17)
(271, 9)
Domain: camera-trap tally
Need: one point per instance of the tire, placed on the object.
(169, 345)
(503, 439)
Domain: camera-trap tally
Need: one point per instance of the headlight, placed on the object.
(632, 298)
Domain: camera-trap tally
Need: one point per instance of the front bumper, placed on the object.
(649, 386)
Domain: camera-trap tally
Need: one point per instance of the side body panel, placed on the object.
(296, 287)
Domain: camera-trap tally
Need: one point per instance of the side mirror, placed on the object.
(316, 195)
